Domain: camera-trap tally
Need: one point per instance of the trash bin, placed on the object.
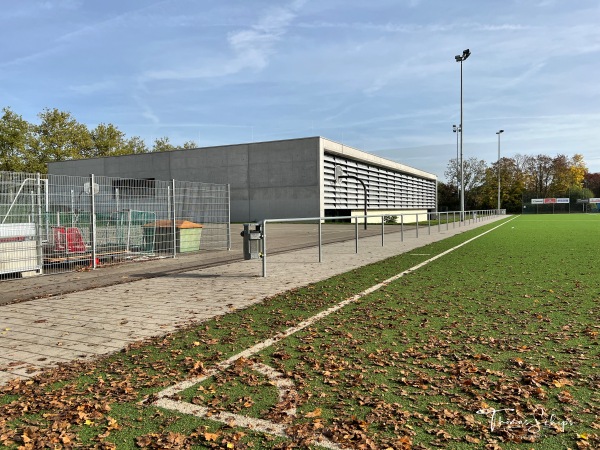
(252, 235)
(187, 235)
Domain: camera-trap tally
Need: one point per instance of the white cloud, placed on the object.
(250, 47)
(60, 4)
(93, 88)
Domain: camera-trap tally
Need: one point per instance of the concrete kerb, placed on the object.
(83, 325)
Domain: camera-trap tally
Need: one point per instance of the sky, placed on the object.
(379, 76)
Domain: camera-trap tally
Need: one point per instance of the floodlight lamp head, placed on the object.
(454, 128)
(458, 58)
(501, 131)
(466, 54)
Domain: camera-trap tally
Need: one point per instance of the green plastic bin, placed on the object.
(187, 235)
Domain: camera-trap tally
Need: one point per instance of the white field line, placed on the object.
(164, 401)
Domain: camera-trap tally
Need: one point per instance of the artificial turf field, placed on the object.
(494, 344)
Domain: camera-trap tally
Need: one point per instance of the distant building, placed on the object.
(280, 179)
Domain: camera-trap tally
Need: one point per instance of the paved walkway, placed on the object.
(82, 325)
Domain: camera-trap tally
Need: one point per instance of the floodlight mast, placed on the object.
(460, 58)
(339, 174)
(499, 133)
(457, 129)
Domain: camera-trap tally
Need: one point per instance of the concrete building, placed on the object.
(280, 179)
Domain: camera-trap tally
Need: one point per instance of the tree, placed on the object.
(512, 185)
(452, 173)
(163, 144)
(474, 175)
(578, 169)
(448, 199)
(135, 145)
(15, 137)
(540, 174)
(59, 137)
(578, 192)
(592, 182)
(107, 141)
(561, 176)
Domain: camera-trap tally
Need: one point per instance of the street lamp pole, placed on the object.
(456, 129)
(460, 58)
(499, 133)
(339, 174)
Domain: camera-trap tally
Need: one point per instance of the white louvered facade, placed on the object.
(387, 189)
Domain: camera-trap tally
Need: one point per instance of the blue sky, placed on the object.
(379, 76)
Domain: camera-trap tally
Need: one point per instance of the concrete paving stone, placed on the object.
(48, 336)
(31, 359)
(96, 330)
(13, 347)
(44, 355)
(84, 318)
(86, 348)
(7, 364)
(100, 312)
(27, 371)
(5, 377)
(13, 319)
(118, 331)
(33, 344)
(33, 334)
(108, 332)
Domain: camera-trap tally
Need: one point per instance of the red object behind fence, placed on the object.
(68, 240)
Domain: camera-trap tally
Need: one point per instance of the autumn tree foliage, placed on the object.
(541, 175)
(591, 181)
(58, 136)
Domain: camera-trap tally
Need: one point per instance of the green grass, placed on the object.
(509, 321)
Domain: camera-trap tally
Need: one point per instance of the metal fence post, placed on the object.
(174, 220)
(264, 252)
(401, 227)
(428, 223)
(382, 231)
(47, 207)
(320, 241)
(228, 217)
(93, 219)
(356, 234)
(38, 233)
(417, 225)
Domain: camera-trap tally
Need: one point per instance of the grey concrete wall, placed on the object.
(283, 179)
(278, 179)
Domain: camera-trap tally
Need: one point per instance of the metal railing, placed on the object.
(417, 222)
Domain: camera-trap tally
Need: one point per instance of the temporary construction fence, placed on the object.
(50, 223)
